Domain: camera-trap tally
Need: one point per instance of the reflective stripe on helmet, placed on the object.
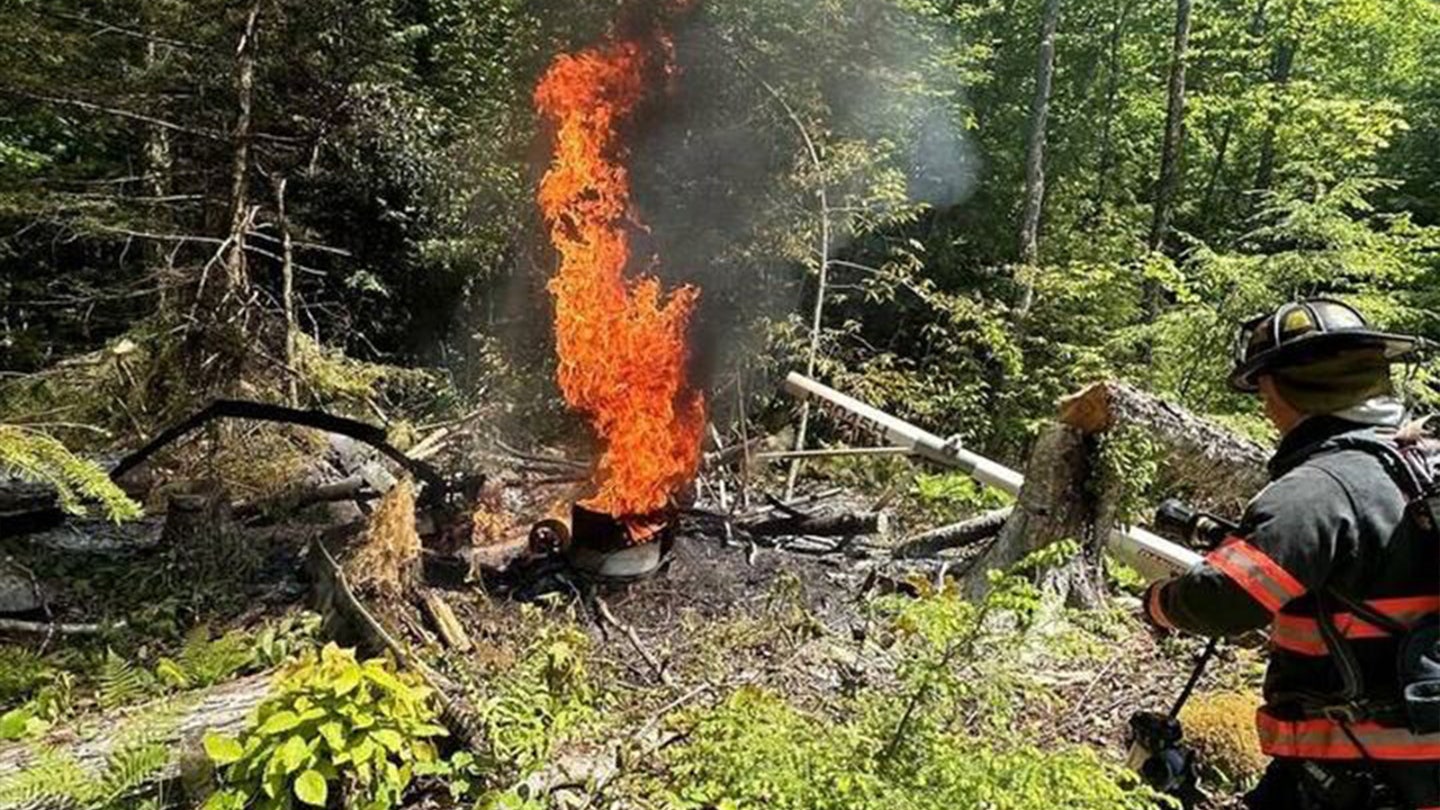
(1301, 634)
(1323, 738)
(1260, 576)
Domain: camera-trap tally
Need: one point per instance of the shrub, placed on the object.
(333, 722)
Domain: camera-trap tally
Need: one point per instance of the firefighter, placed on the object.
(1322, 535)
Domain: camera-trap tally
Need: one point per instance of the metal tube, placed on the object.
(848, 410)
(1153, 556)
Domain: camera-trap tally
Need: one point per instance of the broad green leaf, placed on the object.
(389, 737)
(13, 723)
(311, 789)
(346, 681)
(334, 735)
(279, 723)
(170, 673)
(294, 753)
(222, 749)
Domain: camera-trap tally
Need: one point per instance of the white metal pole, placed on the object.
(1153, 556)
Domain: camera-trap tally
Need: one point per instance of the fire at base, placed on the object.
(621, 341)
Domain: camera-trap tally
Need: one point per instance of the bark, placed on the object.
(955, 535)
(100, 536)
(1054, 504)
(19, 592)
(1035, 152)
(1215, 467)
(1174, 140)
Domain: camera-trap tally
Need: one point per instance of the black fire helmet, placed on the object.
(1303, 332)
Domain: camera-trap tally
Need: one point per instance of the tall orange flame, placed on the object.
(621, 341)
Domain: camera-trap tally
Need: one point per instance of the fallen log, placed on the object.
(16, 522)
(177, 722)
(1215, 467)
(100, 536)
(841, 524)
(955, 535)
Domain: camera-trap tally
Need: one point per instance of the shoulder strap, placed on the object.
(1396, 463)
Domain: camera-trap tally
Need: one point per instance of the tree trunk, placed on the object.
(1217, 168)
(841, 524)
(287, 288)
(1280, 67)
(1035, 153)
(1054, 504)
(1107, 127)
(236, 273)
(158, 168)
(1174, 141)
(1217, 468)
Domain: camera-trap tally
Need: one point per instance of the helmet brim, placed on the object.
(1246, 377)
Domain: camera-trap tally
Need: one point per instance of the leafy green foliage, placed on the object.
(35, 456)
(335, 724)
(947, 494)
(535, 705)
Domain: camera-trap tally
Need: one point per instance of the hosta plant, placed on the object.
(337, 732)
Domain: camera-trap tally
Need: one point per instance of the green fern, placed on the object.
(35, 456)
(203, 661)
(53, 777)
(126, 771)
(121, 682)
(21, 671)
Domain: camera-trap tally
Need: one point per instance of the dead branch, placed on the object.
(841, 524)
(20, 627)
(451, 631)
(955, 535)
(660, 673)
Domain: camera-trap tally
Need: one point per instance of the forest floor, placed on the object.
(595, 694)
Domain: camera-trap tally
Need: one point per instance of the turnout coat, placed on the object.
(1326, 525)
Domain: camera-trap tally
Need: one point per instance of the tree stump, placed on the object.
(1054, 504)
